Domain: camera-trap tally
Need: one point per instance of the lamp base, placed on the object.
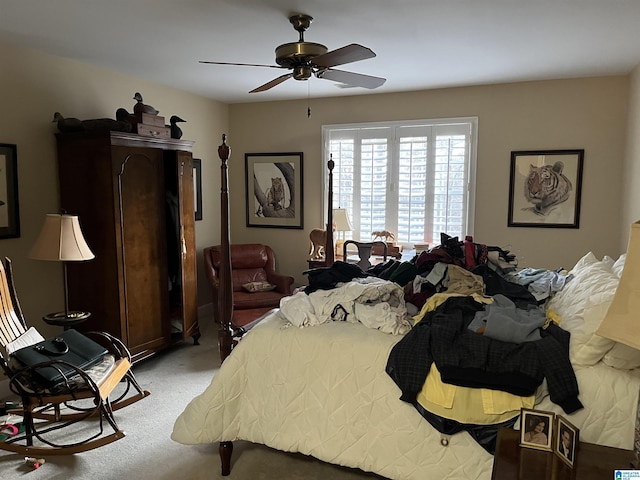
(66, 319)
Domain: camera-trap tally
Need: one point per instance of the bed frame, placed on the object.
(597, 383)
(226, 332)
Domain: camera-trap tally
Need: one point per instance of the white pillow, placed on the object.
(582, 304)
(619, 265)
(623, 357)
(608, 261)
(586, 347)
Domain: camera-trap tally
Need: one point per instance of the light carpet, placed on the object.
(173, 377)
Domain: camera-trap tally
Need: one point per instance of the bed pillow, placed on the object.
(618, 265)
(622, 356)
(253, 287)
(582, 304)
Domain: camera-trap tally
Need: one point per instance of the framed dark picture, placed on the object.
(566, 443)
(274, 189)
(536, 429)
(197, 187)
(545, 188)
(9, 211)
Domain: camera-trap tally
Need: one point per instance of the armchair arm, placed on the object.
(282, 282)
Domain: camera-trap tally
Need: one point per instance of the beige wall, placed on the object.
(631, 178)
(582, 113)
(32, 87)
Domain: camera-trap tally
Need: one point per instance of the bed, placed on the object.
(321, 388)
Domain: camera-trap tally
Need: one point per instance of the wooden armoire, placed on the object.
(135, 201)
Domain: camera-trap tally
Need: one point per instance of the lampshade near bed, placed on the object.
(622, 322)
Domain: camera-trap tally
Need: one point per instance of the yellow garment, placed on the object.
(438, 299)
(552, 316)
(480, 406)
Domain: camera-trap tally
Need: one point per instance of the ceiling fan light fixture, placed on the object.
(302, 73)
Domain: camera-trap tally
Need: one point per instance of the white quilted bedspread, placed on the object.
(323, 391)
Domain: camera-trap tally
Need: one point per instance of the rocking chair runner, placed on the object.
(82, 396)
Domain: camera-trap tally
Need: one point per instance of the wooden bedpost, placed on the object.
(225, 293)
(328, 248)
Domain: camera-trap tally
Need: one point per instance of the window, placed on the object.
(414, 179)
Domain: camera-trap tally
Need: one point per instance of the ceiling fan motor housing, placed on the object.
(291, 55)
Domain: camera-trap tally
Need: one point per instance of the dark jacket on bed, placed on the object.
(469, 359)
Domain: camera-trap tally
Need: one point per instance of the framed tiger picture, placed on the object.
(545, 188)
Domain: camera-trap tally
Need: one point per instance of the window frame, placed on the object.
(398, 126)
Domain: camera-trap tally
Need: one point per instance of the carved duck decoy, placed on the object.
(68, 124)
(176, 131)
(122, 115)
(76, 125)
(141, 107)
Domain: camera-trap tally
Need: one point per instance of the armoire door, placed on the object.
(141, 241)
(179, 178)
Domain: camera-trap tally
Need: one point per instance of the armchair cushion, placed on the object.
(253, 287)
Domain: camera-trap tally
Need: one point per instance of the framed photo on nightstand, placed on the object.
(566, 442)
(536, 429)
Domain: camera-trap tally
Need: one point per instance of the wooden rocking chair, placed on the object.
(82, 399)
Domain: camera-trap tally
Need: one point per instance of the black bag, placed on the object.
(70, 346)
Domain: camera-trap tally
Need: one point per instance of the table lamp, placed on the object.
(622, 321)
(61, 240)
(342, 225)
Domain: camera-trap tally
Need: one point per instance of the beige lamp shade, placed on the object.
(61, 240)
(341, 220)
(622, 322)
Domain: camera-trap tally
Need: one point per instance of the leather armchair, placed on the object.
(251, 262)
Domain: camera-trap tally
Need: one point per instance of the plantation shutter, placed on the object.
(414, 180)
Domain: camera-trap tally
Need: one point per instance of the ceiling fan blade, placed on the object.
(272, 83)
(347, 54)
(350, 78)
(241, 64)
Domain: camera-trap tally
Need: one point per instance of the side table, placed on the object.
(593, 462)
(66, 320)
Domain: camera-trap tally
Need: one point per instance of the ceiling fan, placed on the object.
(307, 58)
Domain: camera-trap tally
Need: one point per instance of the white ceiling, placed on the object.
(420, 44)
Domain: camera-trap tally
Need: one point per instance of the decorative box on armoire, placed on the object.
(134, 198)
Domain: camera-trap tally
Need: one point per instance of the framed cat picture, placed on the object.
(545, 188)
(273, 184)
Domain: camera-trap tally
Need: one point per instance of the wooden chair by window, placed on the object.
(50, 413)
(364, 252)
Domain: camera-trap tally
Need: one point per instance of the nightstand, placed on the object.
(593, 462)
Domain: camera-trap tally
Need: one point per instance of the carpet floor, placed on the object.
(173, 377)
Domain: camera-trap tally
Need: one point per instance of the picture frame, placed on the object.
(567, 441)
(274, 190)
(197, 188)
(9, 208)
(536, 429)
(545, 187)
